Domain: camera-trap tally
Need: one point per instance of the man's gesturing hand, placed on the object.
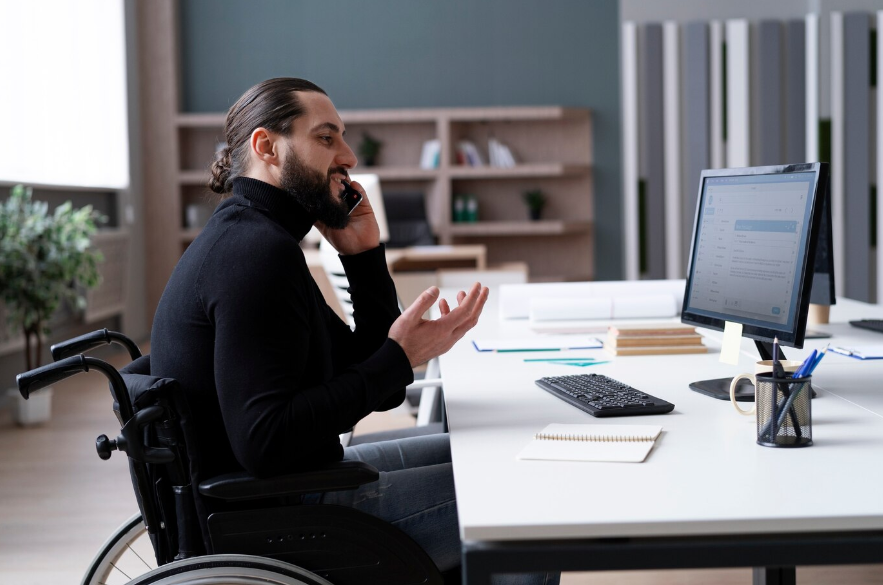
(424, 339)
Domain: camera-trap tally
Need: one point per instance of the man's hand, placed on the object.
(362, 232)
(424, 339)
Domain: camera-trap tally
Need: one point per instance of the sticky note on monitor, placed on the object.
(731, 344)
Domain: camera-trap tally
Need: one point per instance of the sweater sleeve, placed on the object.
(261, 310)
(375, 308)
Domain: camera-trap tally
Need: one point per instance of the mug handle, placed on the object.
(733, 393)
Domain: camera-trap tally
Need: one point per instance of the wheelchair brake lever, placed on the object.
(129, 441)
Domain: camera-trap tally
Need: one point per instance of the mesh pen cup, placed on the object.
(784, 411)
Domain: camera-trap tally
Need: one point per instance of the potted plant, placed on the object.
(44, 259)
(369, 149)
(535, 200)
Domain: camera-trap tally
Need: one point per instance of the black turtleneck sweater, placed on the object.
(271, 373)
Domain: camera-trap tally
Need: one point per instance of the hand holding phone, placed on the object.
(362, 232)
(350, 197)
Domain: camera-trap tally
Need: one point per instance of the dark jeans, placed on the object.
(415, 493)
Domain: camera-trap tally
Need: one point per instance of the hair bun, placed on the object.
(221, 172)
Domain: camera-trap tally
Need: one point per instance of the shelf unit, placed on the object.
(551, 144)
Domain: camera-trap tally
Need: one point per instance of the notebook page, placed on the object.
(619, 443)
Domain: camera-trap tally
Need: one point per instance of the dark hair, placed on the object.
(272, 104)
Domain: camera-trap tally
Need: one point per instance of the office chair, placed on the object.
(234, 525)
(408, 224)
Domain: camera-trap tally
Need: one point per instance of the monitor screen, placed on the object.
(755, 229)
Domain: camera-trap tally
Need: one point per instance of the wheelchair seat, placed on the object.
(235, 513)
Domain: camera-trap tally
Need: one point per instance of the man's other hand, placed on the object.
(362, 232)
(423, 339)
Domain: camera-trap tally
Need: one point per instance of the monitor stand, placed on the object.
(720, 387)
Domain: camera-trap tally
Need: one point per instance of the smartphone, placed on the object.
(350, 197)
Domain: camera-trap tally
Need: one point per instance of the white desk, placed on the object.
(706, 496)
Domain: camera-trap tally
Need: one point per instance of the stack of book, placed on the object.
(653, 340)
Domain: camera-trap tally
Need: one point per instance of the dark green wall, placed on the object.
(418, 53)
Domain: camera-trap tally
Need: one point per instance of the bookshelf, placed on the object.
(552, 146)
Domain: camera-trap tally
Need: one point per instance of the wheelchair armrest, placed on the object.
(341, 475)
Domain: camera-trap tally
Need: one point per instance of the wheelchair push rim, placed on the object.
(107, 567)
(229, 570)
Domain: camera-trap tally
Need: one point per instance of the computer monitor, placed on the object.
(753, 255)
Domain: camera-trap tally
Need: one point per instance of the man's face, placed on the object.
(317, 160)
(313, 190)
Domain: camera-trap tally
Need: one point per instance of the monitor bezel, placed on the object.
(795, 337)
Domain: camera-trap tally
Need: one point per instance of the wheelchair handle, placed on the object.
(47, 375)
(89, 341)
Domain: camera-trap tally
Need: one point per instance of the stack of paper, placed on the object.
(544, 343)
(653, 340)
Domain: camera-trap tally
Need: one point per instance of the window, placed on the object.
(63, 107)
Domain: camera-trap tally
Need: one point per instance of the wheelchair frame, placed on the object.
(304, 544)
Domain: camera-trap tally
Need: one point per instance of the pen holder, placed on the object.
(784, 411)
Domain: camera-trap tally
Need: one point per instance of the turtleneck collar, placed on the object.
(279, 205)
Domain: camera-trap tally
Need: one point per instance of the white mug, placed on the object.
(761, 367)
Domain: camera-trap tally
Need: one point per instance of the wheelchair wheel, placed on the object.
(124, 556)
(229, 570)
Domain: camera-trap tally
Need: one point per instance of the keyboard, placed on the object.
(872, 324)
(602, 396)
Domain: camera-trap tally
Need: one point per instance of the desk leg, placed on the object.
(474, 571)
(774, 576)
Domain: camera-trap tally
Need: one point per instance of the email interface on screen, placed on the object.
(749, 247)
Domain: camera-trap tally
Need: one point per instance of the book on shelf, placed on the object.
(468, 155)
(499, 154)
(429, 157)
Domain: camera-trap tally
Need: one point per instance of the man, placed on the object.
(272, 374)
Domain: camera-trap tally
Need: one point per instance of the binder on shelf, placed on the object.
(429, 157)
(614, 443)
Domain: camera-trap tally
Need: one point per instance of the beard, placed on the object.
(312, 190)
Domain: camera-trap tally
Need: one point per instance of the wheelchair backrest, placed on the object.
(170, 495)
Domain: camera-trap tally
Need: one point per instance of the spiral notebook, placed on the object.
(621, 443)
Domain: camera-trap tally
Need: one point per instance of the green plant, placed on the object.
(369, 148)
(44, 259)
(535, 199)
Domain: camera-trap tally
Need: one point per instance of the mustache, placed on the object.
(339, 171)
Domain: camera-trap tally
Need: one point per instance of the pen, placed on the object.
(807, 365)
(788, 406)
(779, 372)
(818, 359)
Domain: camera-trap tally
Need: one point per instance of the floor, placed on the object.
(59, 501)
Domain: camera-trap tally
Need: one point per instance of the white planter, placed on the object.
(35, 410)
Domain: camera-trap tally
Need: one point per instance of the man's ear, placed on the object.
(266, 146)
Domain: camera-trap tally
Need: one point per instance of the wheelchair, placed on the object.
(240, 529)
